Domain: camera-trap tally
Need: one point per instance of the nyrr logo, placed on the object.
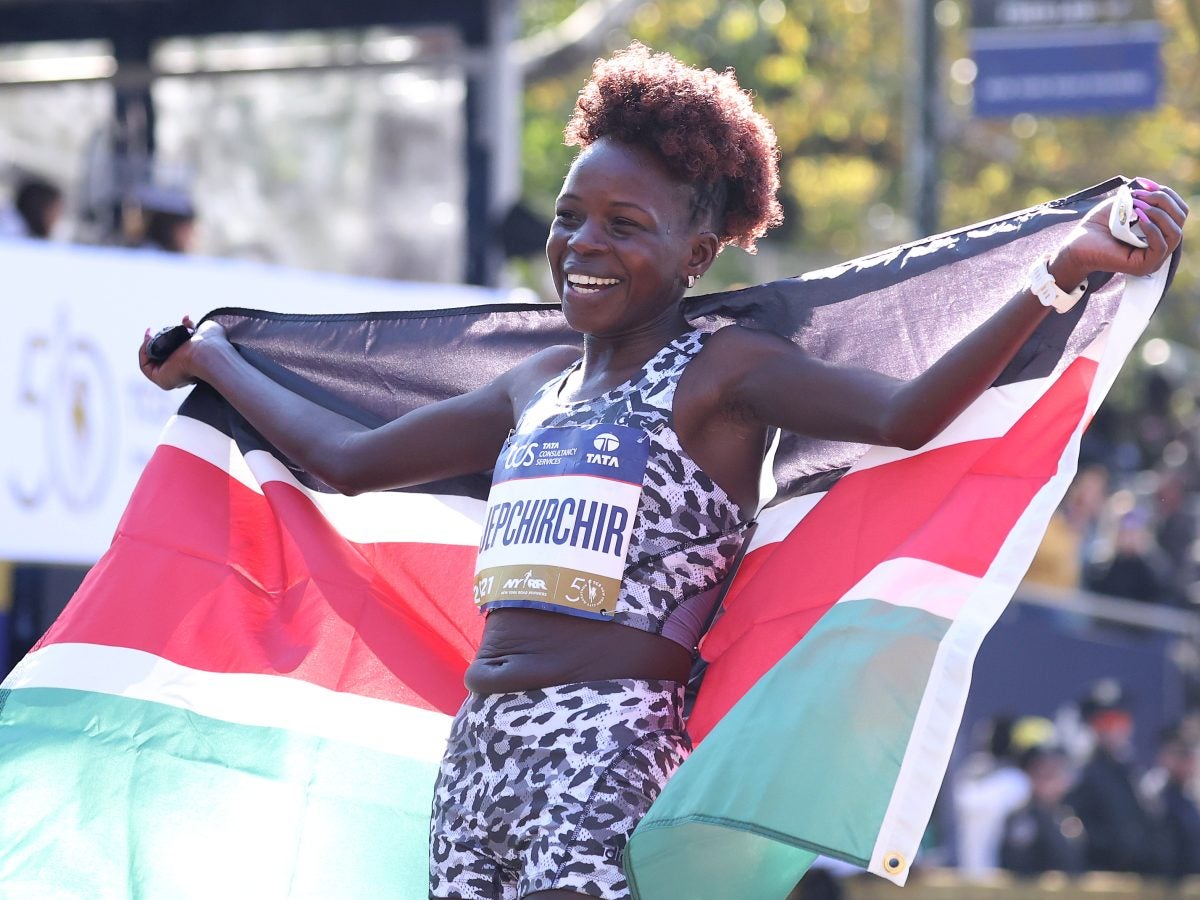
(525, 583)
(606, 443)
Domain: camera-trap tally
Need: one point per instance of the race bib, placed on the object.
(559, 518)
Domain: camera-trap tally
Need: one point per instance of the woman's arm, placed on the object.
(453, 437)
(866, 407)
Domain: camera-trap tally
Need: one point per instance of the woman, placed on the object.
(572, 724)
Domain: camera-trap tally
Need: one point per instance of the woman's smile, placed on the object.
(588, 285)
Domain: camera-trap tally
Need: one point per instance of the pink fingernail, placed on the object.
(1141, 216)
(1141, 204)
(1153, 185)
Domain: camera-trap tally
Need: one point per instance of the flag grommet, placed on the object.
(894, 863)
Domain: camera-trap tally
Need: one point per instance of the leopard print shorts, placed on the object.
(541, 789)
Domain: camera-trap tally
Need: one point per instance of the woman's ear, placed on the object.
(705, 247)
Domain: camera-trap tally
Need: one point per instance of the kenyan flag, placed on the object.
(250, 693)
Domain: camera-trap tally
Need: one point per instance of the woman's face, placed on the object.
(622, 243)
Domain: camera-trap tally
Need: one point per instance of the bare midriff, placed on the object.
(525, 649)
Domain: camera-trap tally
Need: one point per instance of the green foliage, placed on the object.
(832, 79)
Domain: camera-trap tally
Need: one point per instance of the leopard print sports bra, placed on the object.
(596, 510)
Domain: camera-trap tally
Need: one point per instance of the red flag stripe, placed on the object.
(276, 591)
(929, 506)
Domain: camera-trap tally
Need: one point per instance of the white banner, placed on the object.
(80, 418)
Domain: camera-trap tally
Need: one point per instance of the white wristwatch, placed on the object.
(1043, 286)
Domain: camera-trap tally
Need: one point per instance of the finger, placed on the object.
(1165, 199)
(1157, 242)
(1168, 202)
(1167, 219)
(187, 320)
(1174, 195)
(144, 350)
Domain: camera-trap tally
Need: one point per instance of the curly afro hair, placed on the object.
(700, 123)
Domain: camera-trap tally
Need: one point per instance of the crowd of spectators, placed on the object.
(1127, 528)
(1128, 525)
(154, 216)
(1034, 799)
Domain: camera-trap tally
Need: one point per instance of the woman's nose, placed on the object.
(587, 238)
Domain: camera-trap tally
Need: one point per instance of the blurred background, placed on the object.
(422, 143)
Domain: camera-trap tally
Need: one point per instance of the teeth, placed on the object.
(591, 279)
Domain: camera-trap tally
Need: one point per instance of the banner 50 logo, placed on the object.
(65, 418)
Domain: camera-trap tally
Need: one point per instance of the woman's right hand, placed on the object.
(183, 366)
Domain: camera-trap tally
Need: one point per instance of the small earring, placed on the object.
(691, 282)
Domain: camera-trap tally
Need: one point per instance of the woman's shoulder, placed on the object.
(531, 373)
(552, 360)
(734, 347)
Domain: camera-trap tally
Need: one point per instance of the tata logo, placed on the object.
(526, 582)
(606, 443)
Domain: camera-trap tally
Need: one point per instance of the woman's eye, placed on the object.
(565, 215)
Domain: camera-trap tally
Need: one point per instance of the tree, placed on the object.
(831, 77)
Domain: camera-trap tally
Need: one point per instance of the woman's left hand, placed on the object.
(1091, 247)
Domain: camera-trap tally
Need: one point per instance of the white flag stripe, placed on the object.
(375, 517)
(915, 583)
(268, 701)
(207, 443)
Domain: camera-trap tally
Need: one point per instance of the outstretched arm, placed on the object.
(453, 437)
(867, 407)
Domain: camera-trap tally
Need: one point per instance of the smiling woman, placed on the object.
(626, 475)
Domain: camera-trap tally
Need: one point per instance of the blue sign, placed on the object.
(1075, 70)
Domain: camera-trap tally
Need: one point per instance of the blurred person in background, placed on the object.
(1137, 568)
(1169, 788)
(1175, 532)
(1156, 424)
(168, 219)
(36, 210)
(1106, 797)
(986, 790)
(1045, 835)
(1071, 533)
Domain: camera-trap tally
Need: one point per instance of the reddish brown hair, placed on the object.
(700, 123)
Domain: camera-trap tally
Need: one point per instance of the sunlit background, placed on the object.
(427, 147)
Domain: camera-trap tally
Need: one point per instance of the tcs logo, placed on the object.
(520, 454)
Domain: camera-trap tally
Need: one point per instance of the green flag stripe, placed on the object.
(113, 797)
(863, 658)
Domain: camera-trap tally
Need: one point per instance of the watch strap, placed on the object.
(1043, 286)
